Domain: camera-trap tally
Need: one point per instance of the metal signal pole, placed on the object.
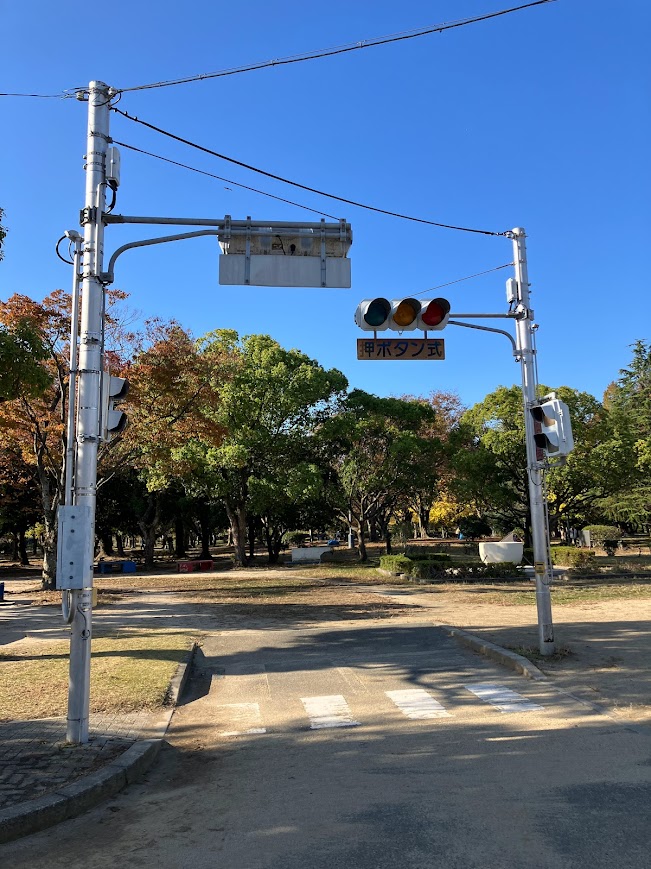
(89, 377)
(541, 554)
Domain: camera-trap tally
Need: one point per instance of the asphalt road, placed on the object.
(375, 745)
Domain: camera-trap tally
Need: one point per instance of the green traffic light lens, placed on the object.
(377, 312)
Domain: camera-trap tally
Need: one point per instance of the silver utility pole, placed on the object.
(541, 555)
(88, 406)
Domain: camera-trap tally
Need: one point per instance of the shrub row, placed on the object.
(436, 569)
(437, 550)
(570, 556)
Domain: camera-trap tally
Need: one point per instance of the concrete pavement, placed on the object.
(375, 744)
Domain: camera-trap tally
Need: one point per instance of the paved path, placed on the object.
(374, 745)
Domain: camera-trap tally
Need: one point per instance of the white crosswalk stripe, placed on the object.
(502, 698)
(416, 703)
(329, 711)
(332, 710)
(244, 717)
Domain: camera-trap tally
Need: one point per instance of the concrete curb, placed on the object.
(85, 793)
(503, 656)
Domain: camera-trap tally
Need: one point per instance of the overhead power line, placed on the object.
(299, 58)
(220, 178)
(297, 184)
(459, 280)
(342, 49)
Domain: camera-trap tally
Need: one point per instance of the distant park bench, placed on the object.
(117, 566)
(189, 565)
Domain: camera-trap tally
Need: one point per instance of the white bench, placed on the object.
(306, 554)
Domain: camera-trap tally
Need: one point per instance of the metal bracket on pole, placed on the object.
(516, 354)
(109, 275)
(247, 252)
(323, 253)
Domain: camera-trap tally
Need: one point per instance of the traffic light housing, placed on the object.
(552, 428)
(402, 315)
(112, 421)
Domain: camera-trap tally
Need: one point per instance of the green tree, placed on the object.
(22, 354)
(269, 404)
(383, 452)
(629, 404)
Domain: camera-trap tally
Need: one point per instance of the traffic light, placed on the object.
(552, 427)
(112, 421)
(402, 315)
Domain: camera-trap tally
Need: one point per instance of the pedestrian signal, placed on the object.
(552, 428)
(112, 421)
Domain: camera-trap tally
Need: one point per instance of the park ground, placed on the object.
(603, 640)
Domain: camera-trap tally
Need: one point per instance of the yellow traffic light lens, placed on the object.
(406, 312)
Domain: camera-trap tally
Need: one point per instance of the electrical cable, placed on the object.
(302, 186)
(114, 191)
(329, 52)
(459, 280)
(226, 180)
(63, 259)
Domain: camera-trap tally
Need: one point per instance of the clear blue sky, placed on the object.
(538, 119)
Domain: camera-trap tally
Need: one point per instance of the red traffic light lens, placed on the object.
(436, 312)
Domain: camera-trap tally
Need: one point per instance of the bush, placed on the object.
(606, 536)
(461, 570)
(296, 538)
(395, 563)
(437, 551)
(570, 556)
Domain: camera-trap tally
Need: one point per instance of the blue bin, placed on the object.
(128, 567)
(2, 591)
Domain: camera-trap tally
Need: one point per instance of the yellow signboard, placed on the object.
(400, 348)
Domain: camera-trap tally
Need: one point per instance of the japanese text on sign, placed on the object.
(398, 348)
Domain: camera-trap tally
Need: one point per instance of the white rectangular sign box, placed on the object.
(284, 271)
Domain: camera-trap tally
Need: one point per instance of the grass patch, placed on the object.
(129, 671)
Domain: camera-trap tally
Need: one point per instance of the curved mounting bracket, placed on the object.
(108, 276)
(516, 354)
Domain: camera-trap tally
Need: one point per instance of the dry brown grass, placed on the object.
(129, 671)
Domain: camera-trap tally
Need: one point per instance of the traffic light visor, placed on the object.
(435, 313)
(377, 312)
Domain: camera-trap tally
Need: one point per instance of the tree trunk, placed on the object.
(149, 527)
(105, 544)
(120, 545)
(204, 525)
(149, 543)
(179, 536)
(423, 521)
(361, 538)
(237, 519)
(48, 579)
(14, 546)
(251, 530)
(22, 548)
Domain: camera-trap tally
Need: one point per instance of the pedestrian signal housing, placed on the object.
(552, 428)
(112, 421)
(402, 315)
